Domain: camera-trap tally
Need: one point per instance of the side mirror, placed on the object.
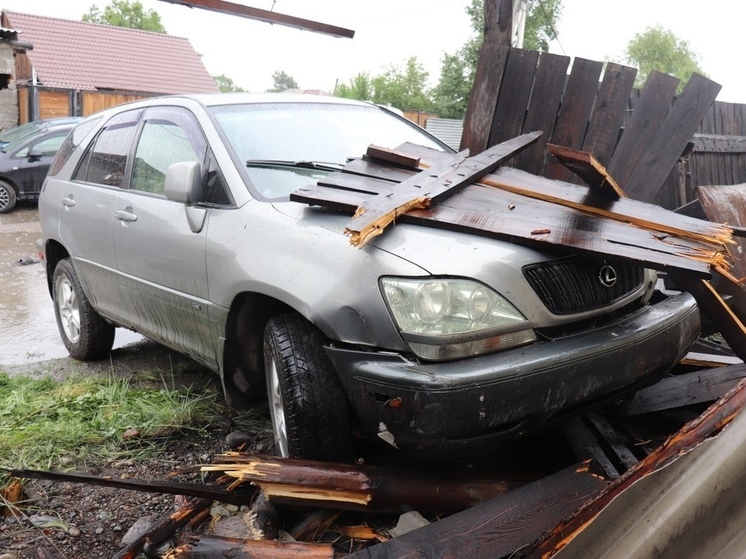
(34, 154)
(184, 182)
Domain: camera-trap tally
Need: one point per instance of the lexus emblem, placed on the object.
(607, 276)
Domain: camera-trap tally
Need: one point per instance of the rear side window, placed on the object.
(106, 160)
(71, 143)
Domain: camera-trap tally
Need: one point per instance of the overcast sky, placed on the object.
(390, 31)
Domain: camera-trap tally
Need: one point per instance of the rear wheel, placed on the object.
(85, 334)
(7, 197)
(308, 407)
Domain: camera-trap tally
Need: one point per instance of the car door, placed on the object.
(88, 205)
(30, 163)
(160, 258)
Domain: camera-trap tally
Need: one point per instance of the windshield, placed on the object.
(308, 132)
(31, 127)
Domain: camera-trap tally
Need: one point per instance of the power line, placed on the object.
(551, 26)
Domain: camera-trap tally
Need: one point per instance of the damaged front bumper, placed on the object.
(471, 402)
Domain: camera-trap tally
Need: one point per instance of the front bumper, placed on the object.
(473, 402)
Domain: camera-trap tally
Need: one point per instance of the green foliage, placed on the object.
(403, 87)
(42, 420)
(226, 85)
(123, 13)
(282, 82)
(360, 87)
(451, 95)
(659, 49)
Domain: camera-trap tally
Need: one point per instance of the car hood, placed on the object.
(439, 252)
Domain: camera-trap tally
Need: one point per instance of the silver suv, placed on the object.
(172, 217)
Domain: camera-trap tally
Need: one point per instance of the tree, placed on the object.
(360, 87)
(403, 87)
(282, 82)
(226, 85)
(451, 95)
(659, 49)
(123, 13)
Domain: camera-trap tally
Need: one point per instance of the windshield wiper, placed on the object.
(322, 165)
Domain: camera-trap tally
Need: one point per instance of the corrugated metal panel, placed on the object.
(694, 507)
(448, 130)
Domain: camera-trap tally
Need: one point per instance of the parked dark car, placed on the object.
(24, 163)
(172, 217)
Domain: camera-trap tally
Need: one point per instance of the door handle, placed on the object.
(68, 202)
(126, 216)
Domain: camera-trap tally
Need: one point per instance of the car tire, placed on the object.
(7, 197)
(308, 406)
(85, 334)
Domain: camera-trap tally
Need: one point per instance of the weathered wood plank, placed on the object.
(586, 446)
(483, 98)
(203, 546)
(588, 168)
(425, 189)
(498, 527)
(392, 156)
(513, 100)
(608, 114)
(715, 143)
(684, 390)
(671, 138)
(546, 96)
(577, 105)
(649, 112)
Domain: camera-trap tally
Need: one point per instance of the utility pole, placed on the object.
(520, 8)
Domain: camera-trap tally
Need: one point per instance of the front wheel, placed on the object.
(7, 197)
(308, 407)
(85, 334)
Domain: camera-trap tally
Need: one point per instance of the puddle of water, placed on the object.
(28, 329)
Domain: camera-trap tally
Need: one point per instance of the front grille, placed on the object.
(572, 285)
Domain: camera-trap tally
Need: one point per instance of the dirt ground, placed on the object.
(84, 521)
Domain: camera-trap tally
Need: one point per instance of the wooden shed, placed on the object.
(61, 67)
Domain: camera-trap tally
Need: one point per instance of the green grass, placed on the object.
(83, 418)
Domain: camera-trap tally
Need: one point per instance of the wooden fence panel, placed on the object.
(652, 106)
(54, 104)
(608, 115)
(572, 121)
(93, 101)
(546, 97)
(510, 111)
(23, 103)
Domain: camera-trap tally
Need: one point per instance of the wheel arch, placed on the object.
(243, 353)
(53, 253)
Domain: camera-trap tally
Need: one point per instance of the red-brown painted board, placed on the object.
(605, 126)
(514, 94)
(577, 105)
(546, 96)
(671, 138)
(648, 114)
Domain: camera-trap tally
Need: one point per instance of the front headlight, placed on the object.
(442, 318)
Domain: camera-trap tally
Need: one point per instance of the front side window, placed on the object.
(106, 160)
(45, 147)
(169, 135)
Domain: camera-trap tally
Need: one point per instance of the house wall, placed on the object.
(8, 93)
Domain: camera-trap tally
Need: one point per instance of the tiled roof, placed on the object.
(91, 56)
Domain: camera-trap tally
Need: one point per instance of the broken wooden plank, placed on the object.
(707, 425)
(393, 156)
(670, 140)
(585, 445)
(648, 114)
(697, 359)
(685, 389)
(353, 487)
(615, 441)
(497, 527)
(588, 168)
(430, 187)
(202, 547)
